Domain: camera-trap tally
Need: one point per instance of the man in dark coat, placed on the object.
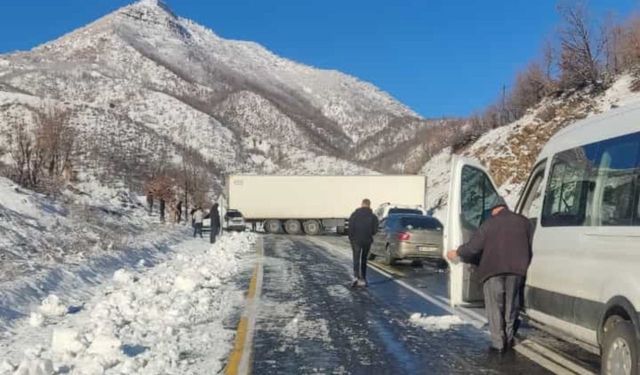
(503, 245)
(214, 215)
(363, 225)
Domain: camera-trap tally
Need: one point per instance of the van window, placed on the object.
(570, 187)
(532, 205)
(616, 182)
(477, 196)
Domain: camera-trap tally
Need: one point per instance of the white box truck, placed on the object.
(310, 204)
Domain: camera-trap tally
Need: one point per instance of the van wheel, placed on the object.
(371, 256)
(272, 226)
(620, 348)
(292, 227)
(388, 258)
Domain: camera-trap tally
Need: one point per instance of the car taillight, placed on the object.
(404, 236)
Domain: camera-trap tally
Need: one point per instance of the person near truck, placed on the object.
(198, 217)
(214, 215)
(503, 246)
(363, 225)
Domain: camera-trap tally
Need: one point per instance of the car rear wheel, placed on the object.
(312, 227)
(371, 256)
(619, 348)
(273, 226)
(388, 258)
(293, 227)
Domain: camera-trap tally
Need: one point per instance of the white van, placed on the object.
(582, 197)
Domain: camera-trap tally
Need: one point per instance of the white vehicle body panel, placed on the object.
(318, 197)
(454, 234)
(575, 270)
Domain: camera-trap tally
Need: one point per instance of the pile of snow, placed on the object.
(162, 320)
(52, 248)
(435, 323)
(51, 306)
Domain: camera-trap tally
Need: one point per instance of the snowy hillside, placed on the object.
(161, 82)
(38, 235)
(510, 151)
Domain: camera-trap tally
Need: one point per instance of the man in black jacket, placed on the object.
(214, 216)
(363, 225)
(503, 245)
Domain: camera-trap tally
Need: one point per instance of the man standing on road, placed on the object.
(198, 217)
(503, 245)
(214, 215)
(363, 225)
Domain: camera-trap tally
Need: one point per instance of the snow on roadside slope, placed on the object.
(163, 320)
(511, 149)
(69, 244)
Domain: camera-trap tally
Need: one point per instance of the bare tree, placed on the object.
(530, 87)
(22, 146)
(580, 47)
(55, 138)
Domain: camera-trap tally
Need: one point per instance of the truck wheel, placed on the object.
(312, 227)
(341, 230)
(273, 226)
(292, 227)
(619, 348)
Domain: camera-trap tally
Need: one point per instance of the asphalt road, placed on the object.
(309, 321)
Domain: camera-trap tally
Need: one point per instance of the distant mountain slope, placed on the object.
(144, 70)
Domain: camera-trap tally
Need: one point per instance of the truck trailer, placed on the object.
(311, 204)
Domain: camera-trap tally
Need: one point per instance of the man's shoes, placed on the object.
(494, 350)
(354, 283)
(362, 283)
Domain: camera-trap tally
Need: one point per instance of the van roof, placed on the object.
(613, 123)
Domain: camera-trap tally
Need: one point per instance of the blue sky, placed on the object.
(440, 57)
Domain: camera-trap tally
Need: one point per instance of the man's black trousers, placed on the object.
(360, 254)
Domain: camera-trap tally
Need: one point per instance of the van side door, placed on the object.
(471, 192)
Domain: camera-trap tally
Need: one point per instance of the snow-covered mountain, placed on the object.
(148, 82)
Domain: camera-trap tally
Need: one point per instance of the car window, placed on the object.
(477, 196)
(404, 211)
(420, 223)
(569, 192)
(616, 181)
(532, 206)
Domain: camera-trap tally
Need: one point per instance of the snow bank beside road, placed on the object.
(163, 320)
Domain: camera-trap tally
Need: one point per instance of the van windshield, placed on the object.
(404, 211)
(421, 223)
(234, 214)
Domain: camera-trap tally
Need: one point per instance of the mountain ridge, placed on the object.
(236, 103)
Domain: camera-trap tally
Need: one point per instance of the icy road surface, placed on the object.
(309, 321)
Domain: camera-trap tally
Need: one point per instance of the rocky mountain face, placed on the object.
(143, 84)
